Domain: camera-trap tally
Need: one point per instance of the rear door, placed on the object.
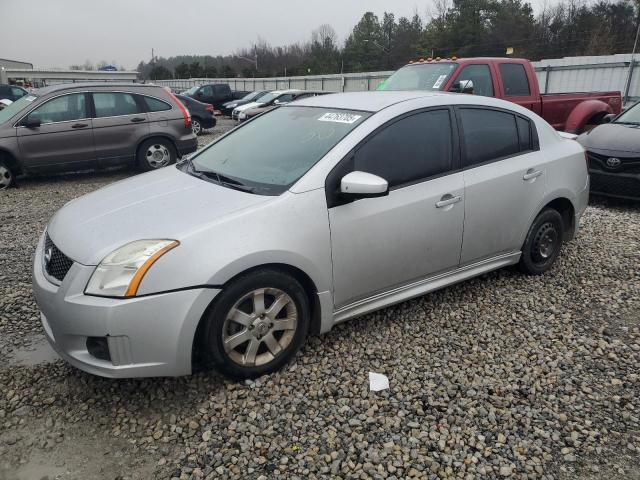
(119, 123)
(416, 231)
(515, 86)
(64, 138)
(504, 180)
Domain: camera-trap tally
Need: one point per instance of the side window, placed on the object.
(514, 80)
(222, 89)
(155, 105)
(480, 75)
(488, 135)
(285, 98)
(113, 104)
(410, 149)
(207, 91)
(62, 109)
(18, 92)
(524, 133)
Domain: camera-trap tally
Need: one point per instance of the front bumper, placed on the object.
(147, 336)
(618, 185)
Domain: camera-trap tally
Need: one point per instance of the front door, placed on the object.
(504, 180)
(64, 138)
(414, 232)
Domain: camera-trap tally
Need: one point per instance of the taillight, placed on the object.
(209, 108)
(185, 113)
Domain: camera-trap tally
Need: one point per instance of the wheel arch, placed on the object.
(12, 161)
(157, 135)
(583, 112)
(563, 205)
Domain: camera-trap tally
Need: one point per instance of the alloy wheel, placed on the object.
(259, 327)
(196, 127)
(158, 156)
(5, 177)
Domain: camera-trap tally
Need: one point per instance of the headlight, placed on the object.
(120, 273)
(242, 116)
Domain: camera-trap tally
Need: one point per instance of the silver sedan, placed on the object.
(309, 215)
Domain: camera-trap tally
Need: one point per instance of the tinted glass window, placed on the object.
(222, 89)
(480, 75)
(207, 91)
(112, 104)
(4, 90)
(62, 109)
(410, 149)
(488, 134)
(273, 151)
(514, 80)
(524, 132)
(18, 92)
(285, 98)
(155, 105)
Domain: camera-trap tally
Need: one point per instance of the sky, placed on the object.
(59, 33)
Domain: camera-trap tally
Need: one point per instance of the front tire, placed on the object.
(543, 243)
(7, 176)
(256, 324)
(155, 153)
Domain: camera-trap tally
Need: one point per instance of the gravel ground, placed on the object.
(501, 376)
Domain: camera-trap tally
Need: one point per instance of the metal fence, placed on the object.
(52, 76)
(562, 75)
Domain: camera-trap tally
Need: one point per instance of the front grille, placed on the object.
(618, 185)
(56, 263)
(627, 165)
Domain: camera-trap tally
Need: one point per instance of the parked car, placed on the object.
(11, 92)
(614, 155)
(512, 79)
(202, 116)
(228, 107)
(323, 210)
(268, 99)
(215, 94)
(299, 95)
(72, 127)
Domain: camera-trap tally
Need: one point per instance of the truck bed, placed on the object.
(556, 107)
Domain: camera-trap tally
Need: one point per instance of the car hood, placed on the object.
(247, 106)
(612, 137)
(166, 204)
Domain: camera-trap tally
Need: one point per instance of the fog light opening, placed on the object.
(99, 348)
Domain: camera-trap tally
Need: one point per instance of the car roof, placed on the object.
(364, 101)
(111, 85)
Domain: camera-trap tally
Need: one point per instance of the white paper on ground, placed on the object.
(377, 382)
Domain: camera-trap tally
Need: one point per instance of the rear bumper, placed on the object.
(188, 144)
(146, 336)
(208, 122)
(618, 185)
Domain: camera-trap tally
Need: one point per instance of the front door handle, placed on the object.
(79, 125)
(531, 174)
(137, 119)
(447, 200)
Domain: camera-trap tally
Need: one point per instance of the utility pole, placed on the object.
(627, 87)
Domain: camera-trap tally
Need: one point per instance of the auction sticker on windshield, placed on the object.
(439, 81)
(340, 117)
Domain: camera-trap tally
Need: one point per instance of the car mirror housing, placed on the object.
(463, 86)
(32, 122)
(358, 184)
(608, 118)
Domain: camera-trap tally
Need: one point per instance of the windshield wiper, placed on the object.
(222, 179)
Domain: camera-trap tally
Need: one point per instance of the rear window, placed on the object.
(514, 80)
(114, 104)
(524, 133)
(155, 105)
(488, 135)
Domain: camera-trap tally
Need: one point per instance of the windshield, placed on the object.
(251, 96)
(270, 153)
(7, 112)
(191, 91)
(631, 115)
(427, 76)
(267, 97)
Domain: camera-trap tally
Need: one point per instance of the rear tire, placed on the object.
(196, 126)
(255, 325)
(543, 243)
(7, 175)
(155, 153)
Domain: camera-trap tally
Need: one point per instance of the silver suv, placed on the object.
(306, 216)
(85, 126)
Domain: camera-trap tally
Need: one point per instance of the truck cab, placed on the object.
(512, 79)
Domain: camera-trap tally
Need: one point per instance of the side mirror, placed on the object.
(357, 184)
(608, 118)
(463, 86)
(32, 121)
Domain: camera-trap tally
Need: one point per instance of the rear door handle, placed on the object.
(137, 119)
(79, 125)
(447, 200)
(531, 174)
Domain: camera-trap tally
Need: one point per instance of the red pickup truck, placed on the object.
(512, 79)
